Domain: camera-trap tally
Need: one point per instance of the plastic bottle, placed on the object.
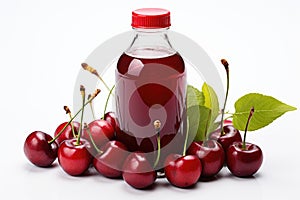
(151, 85)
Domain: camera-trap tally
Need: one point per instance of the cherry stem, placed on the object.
(226, 66)
(72, 126)
(106, 103)
(68, 111)
(91, 106)
(85, 66)
(207, 125)
(58, 135)
(246, 128)
(157, 125)
(185, 140)
(82, 91)
(86, 127)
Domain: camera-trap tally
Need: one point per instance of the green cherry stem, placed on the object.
(91, 106)
(186, 139)
(58, 135)
(106, 103)
(157, 126)
(246, 128)
(82, 92)
(207, 125)
(226, 66)
(68, 111)
(86, 127)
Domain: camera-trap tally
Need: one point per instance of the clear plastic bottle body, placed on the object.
(151, 85)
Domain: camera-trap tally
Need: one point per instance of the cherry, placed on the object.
(182, 171)
(67, 132)
(137, 171)
(227, 137)
(244, 162)
(39, 150)
(244, 159)
(111, 118)
(101, 132)
(110, 160)
(74, 158)
(73, 154)
(211, 155)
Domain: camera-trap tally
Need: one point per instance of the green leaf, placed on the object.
(211, 101)
(194, 97)
(198, 117)
(266, 110)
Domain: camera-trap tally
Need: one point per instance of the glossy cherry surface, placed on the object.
(101, 132)
(211, 155)
(111, 118)
(137, 171)
(67, 133)
(74, 159)
(230, 136)
(37, 149)
(243, 163)
(182, 171)
(110, 161)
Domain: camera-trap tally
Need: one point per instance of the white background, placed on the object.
(42, 44)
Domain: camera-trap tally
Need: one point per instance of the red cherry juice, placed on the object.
(148, 89)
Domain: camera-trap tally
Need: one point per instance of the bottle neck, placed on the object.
(150, 43)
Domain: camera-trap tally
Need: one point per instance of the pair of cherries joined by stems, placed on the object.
(77, 145)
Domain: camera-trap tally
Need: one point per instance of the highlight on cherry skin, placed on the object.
(244, 159)
(110, 159)
(101, 132)
(182, 171)
(38, 150)
(67, 132)
(211, 155)
(73, 157)
(137, 171)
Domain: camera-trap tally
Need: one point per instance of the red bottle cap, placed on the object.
(151, 18)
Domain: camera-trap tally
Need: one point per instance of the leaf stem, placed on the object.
(246, 128)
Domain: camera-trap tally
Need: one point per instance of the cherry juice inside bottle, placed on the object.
(150, 86)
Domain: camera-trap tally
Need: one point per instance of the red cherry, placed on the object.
(244, 162)
(110, 161)
(229, 136)
(137, 171)
(182, 171)
(74, 159)
(111, 118)
(101, 132)
(211, 155)
(38, 150)
(67, 133)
